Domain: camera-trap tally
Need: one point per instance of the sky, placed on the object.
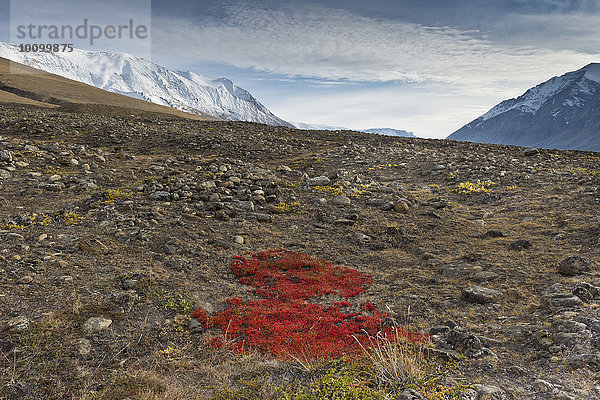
(424, 66)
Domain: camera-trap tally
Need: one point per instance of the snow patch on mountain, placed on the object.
(592, 72)
(560, 113)
(533, 99)
(137, 77)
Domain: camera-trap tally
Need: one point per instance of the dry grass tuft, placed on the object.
(398, 362)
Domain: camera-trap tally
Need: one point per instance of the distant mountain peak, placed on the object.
(137, 77)
(563, 112)
(592, 72)
(389, 132)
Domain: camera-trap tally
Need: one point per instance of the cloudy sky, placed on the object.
(424, 66)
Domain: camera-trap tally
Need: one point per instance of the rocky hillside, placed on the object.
(115, 229)
(561, 113)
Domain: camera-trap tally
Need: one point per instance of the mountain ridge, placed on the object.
(136, 77)
(20, 84)
(389, 132)
(551, 114)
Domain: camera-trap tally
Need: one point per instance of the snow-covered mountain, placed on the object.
(563, 112)
(318, 127)
(378, 131)
(137, 77)
(389, 132)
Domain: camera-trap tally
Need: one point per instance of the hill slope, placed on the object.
(114, 229)
(139, 78)
(563, 113)
(21, 84)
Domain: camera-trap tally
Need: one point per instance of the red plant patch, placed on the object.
(283, 323)
(289, 276)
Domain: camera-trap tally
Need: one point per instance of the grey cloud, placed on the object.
(335, 44)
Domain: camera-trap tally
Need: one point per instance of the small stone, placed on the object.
(96, 324)
(562, 395)
(284, 168)
(6, 156)
(488, 392)
(84, 346)
(341, 200)
(361, 237)
(401, 207)
(531, 152)
(521, 244)
(586, 291)
(344, 221)
(439, 329)
(245, 206)
(195, 327)
(437, 203)
(260, 217)
(543, 386)
(410, 394)
(54, 178)
(451, 271)
(376, 202)
(493, 234)
(65, 238)
(52, 187)
(318, 181)
(479, 294)
(14, 236)
(587, 360)
(19, 323)
(161, 195)
(485, 276)
(42, 237)
(592, 324)
(239, 239)
(513, 294)
(468, 394)
(564, 300)
(387, 206)
(26, 280)
(90, 186)
(574, 265)
(516, 370)
(74, 162)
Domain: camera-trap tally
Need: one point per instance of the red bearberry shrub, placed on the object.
(283, 323)
(201, 316)
(288, 275)
(367, 307)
